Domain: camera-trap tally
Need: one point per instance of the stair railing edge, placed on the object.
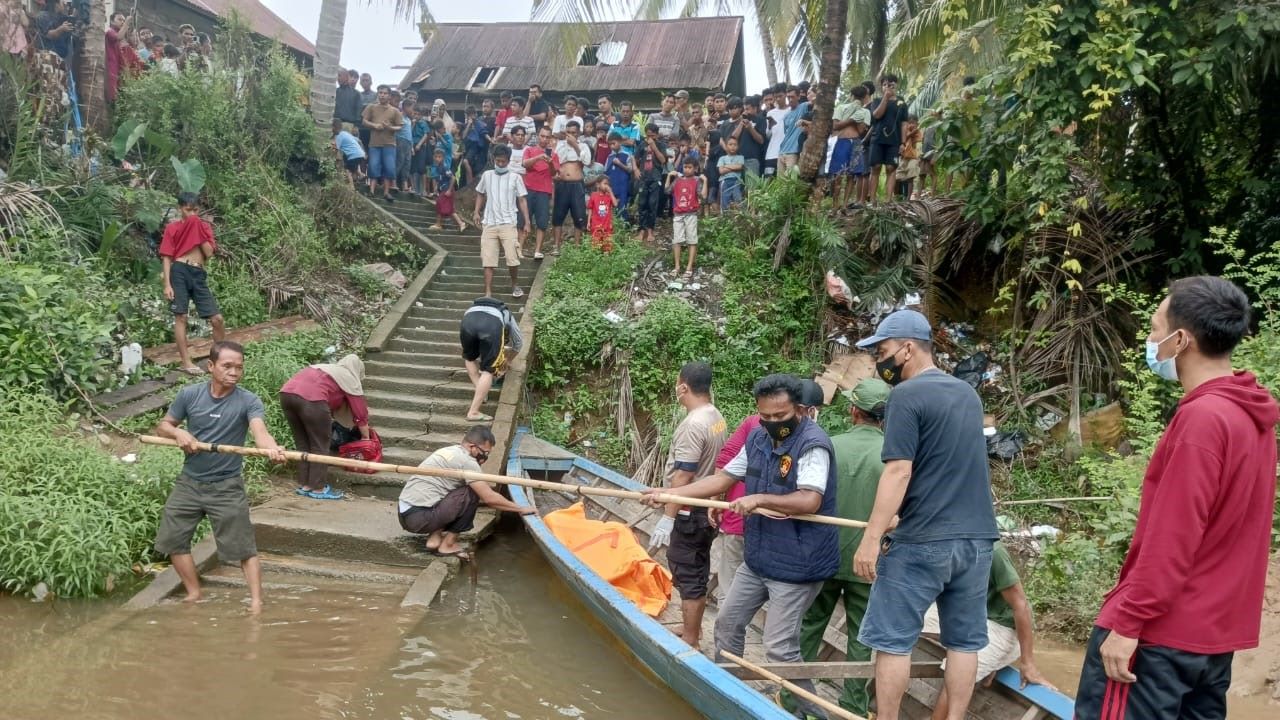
(381, 333)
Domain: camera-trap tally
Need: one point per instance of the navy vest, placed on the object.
(792, 551)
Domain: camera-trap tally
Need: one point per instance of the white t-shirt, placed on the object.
(562, 121)
(566, 152)
(530, 131)
(517, 164)
(501, 193)
(775, 133)
(811, 468)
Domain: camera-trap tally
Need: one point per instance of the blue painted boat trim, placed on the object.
(1052, 701)
(706, 686)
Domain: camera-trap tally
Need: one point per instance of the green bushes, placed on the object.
(71, 517)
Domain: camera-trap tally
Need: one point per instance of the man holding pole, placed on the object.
(444, 507)
(936, 480)
(210, 485)
(697, 440)
(789, 470)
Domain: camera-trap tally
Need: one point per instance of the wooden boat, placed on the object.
(717, 691)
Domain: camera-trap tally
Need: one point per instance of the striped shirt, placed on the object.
(501, 193)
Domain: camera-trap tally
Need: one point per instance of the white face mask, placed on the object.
(1166, 368)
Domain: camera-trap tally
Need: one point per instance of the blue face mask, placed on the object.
(1166, 368)
(501, 169)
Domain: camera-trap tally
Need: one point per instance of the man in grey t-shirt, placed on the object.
(935, 479)
(216, 412)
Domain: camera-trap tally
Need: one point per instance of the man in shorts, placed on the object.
(936, 480)
(571, 157)
(383, 120)
(697, 441)
(210, 485)
(500, 196)
(185, 250)
(487, 329)
(1010, 629)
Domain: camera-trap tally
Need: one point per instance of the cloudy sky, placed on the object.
(374, 39)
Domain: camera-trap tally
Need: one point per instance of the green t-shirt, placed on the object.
(1003, 576)
(858, 469)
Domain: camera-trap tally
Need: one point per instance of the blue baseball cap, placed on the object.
(906, 324)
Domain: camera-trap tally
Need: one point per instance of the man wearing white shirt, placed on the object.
(572, 156)
(570, 113)
(517, 118)
(500, 196)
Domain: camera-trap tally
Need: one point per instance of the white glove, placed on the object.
(660, 535)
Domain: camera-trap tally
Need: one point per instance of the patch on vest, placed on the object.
(784, 466)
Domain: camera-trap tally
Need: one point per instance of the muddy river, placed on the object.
(515, 646)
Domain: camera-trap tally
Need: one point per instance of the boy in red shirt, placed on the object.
(600, 211)
(686, 192)
(186, 247)
(1191, 588)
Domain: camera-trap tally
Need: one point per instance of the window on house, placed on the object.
(484, 78)
(589, 55)
(605, 53)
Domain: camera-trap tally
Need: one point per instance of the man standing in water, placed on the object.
(697, 441)
(789, 470)
(936, 480)
(1191, 589)
(217, 412)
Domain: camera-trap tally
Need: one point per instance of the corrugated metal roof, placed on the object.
(262, 20)
(660, 54)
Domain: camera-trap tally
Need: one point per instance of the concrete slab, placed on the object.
(425, 588)
(357, 529)
(205, 555)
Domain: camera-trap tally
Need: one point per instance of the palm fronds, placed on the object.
(22, 210)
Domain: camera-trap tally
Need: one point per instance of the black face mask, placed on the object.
(780, 430)
(888, 370)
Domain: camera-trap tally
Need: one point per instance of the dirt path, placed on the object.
(1257, 672)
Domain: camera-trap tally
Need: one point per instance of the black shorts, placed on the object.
(1171, 684)
(689, 554)
(483, 339)
(353, 164)
(883, 155)
(191, 283)
(571, 199)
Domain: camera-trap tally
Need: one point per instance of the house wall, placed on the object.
(164, 17)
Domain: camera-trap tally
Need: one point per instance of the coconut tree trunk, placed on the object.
(91, 75)
(880, 38)
(831, 53)
(333, 19)
(770, 52)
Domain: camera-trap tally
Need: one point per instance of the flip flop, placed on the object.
(194, 370)
(479, 418)
(460, 554)
(327, 494)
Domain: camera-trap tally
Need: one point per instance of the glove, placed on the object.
(660, 536)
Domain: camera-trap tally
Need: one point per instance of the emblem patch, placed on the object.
(784, 466)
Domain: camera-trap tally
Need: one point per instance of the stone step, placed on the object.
(469, 294)
(445, 417)
(398, 365)
(303, 566)
(427, 402)
(357, 529)
(386, 385)
(454, 308)
(441, 434)
(437, 347)
(414, 332)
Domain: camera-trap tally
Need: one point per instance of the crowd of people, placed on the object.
(683, 161)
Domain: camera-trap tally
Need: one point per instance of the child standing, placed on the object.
(600, 207)
(730, 166)
(620, 168)
(422, 146)
(909, 167)
(687, 191)
(185, 249)
(442, 176)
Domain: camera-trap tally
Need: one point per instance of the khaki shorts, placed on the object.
(1002, 648)
(495, 237)
(685, 227)
(226, 505)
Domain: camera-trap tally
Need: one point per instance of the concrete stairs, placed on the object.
(418, 393)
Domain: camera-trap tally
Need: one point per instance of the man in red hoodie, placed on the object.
(186, 247)
(1191, 589)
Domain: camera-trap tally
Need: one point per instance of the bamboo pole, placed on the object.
(827, 705)
(470, 476)
(1041, 501)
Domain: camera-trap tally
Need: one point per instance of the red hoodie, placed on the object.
(1196, 572)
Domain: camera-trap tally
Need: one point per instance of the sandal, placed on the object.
(437, 226)
(479, 417)
(517, 292)
(460, 553)
(327, 494)
(193, 370)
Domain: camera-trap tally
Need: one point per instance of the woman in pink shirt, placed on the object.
(312, 399)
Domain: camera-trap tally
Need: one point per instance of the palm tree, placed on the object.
(831, 55)
(91, 80)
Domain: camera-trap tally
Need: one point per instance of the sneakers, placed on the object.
(538, 256)
(517, 292)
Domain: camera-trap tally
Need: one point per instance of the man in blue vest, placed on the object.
(788, 468)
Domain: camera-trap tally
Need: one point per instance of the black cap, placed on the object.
(811, 394)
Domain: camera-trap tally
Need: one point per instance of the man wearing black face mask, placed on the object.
(935, 479)
(443, 507)
(788, 468)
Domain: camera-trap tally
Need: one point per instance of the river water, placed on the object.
(517, 646)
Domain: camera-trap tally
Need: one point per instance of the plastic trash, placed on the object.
(130, 358)
(971, 369)
(129, 459)
(613, 317)
(1006, 445)
(839, 290)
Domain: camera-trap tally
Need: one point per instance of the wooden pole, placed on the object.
(1041, 501)
(469, 476)
(827, 705)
